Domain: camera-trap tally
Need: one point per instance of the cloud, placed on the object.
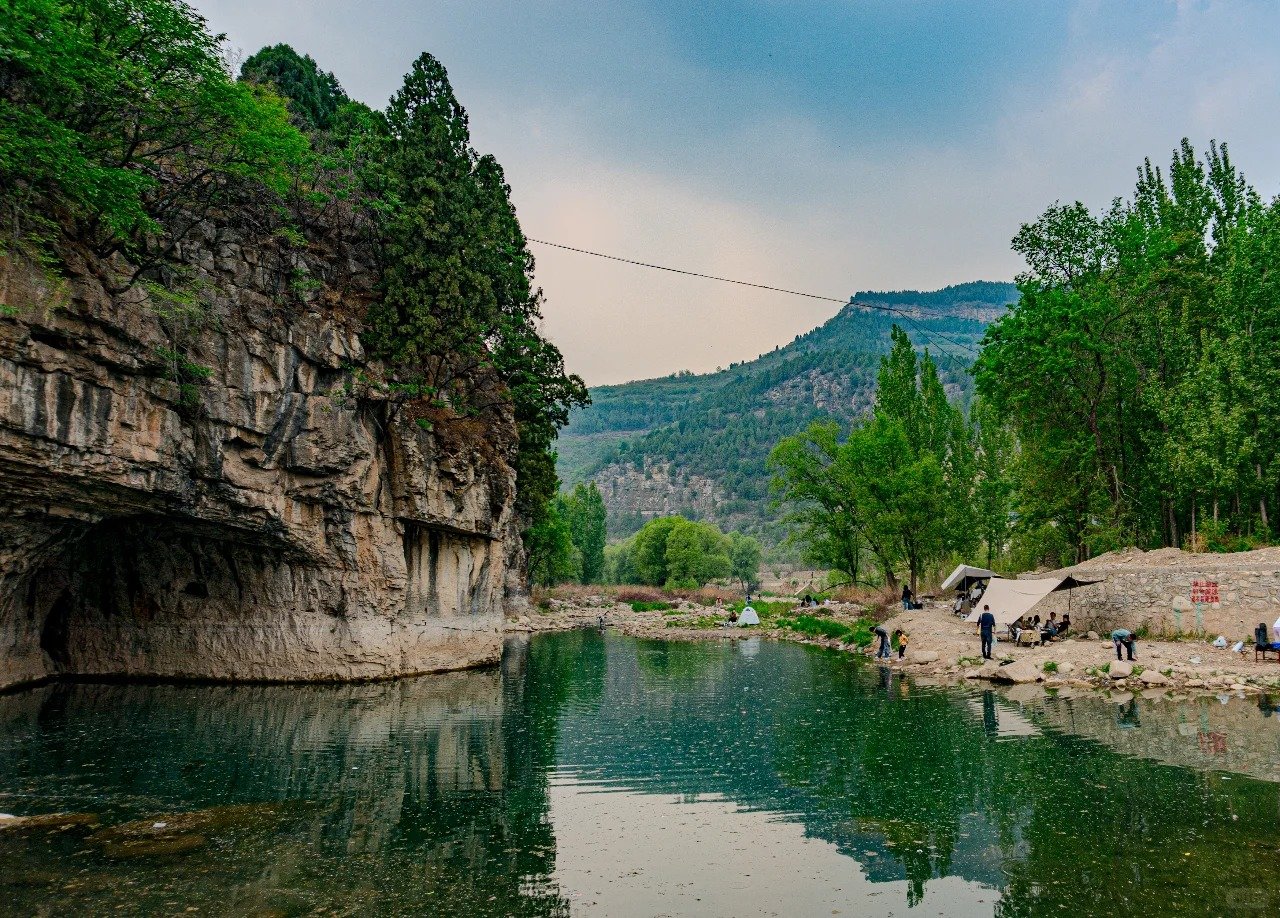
(830, 147)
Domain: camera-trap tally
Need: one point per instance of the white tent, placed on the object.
(964, 572)
(748, 617)
(1011, 599)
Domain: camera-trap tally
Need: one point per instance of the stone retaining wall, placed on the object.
(1153, 590)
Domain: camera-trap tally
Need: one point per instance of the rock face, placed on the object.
(657, 489)
(272, 521)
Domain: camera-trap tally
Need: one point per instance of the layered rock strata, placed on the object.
(204, 484)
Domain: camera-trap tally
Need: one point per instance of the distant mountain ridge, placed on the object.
(698, 443)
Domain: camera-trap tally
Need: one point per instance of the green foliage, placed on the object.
(819, 626)
(900, 485)
(314, 96)
(744, 561)
(1139, 371)
(650, 606)
(620, 563)
(457, 298)
(650, 549)
(120, 125)
(671, 551)
(696, 553)
(586, 513)
(553, 558)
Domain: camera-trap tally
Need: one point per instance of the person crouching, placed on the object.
(1123, 637)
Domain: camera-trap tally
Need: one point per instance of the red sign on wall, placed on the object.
(1204, 591)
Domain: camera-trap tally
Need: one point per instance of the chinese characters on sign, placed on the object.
(1204, 591)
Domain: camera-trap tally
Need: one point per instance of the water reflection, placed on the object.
(596, 774)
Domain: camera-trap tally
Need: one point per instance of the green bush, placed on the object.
(817, 627)
(650, 606)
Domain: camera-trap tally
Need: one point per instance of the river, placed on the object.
(602, 775)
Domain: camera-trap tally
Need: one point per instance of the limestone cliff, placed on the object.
(201, 485)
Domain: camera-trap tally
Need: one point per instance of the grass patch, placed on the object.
(651, 606)
(817, 626)
(1050, 666)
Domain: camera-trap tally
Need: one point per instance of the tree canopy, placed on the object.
(899, 487)
(1139, 370)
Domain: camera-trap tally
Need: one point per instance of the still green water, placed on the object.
(601, 775)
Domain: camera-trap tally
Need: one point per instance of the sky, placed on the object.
(828, 146)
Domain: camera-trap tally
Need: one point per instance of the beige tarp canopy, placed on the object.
(1011, 599)
(964, 572)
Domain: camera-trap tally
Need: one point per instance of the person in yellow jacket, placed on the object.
(903, 639)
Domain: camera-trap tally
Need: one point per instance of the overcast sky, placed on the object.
(828, 146)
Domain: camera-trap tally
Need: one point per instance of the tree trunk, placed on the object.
(1262, 499)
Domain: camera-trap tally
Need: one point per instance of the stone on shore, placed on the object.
(1120, 669)
(1153, 677)
(924, 656)
(1019, 672)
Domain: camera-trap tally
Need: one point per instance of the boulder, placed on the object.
(924, 656)
(1120, 669)
(1091, 636)
(1066, 669)
(1019, 672)
(987, 670)
(1152, 677)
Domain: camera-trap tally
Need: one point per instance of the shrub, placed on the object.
(1050, 666)
(650, 606)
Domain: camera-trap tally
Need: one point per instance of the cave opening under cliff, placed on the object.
(137, 594)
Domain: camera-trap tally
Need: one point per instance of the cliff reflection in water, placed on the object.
(401, 797)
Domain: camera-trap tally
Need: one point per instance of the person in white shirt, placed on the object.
(1275, 629)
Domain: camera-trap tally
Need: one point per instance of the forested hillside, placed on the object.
(698, 444)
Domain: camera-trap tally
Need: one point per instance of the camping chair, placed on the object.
(1262, 644)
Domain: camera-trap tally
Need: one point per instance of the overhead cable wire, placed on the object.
(882, 307)
(726, 280)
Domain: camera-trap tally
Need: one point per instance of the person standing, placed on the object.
(1123, 637)
(906, 597)
(903, 639)
(987, 628)
(882, 651)
(1275, 629)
